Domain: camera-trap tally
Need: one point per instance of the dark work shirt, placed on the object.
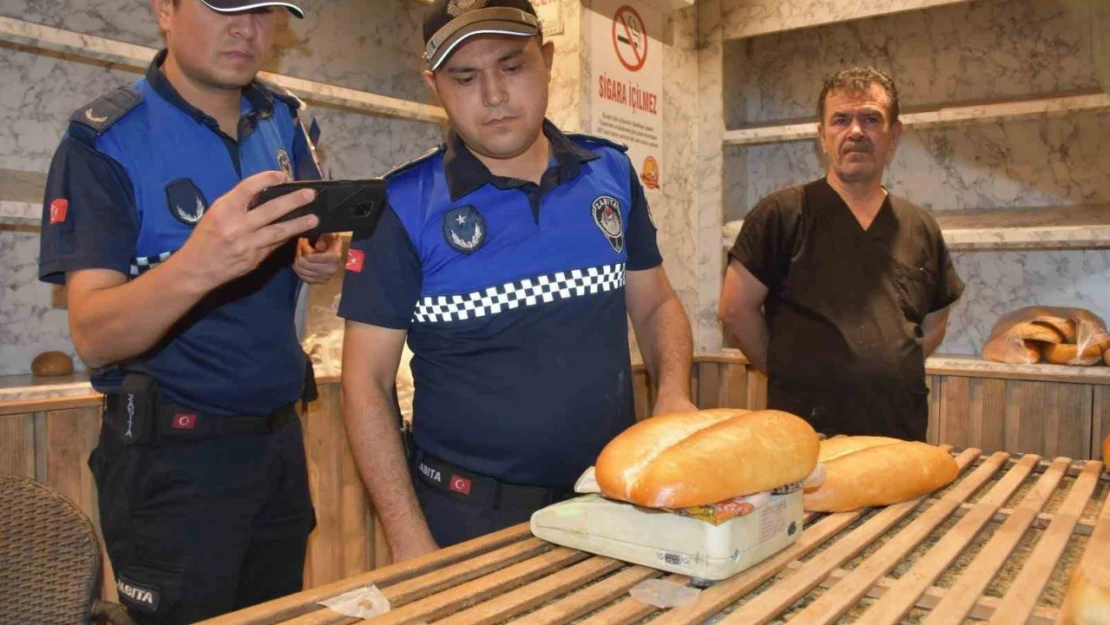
(845, 306)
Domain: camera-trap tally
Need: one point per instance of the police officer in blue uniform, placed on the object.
(511, 260)
(182, 301)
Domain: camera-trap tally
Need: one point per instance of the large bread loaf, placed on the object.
(701, 458)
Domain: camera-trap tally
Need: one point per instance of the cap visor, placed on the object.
(235, 7)
(490, 27)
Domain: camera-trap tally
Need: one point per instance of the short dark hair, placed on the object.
(858, 79)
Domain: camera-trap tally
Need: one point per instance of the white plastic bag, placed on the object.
(365, 602)
(662, 594)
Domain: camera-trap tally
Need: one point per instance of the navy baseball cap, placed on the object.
(235, 6)
(450, 22)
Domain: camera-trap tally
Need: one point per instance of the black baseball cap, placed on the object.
(235, 6)
(450, 22)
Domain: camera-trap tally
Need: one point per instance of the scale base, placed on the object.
(669, 542)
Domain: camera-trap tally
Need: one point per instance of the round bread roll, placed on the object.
(699, 458)
(52, 364)
(1106, 356)
(878, 471)
(1061, 354)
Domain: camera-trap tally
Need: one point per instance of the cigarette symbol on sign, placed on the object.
(629, 38)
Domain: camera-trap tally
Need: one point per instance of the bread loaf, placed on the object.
(1065, 328)
(877, 471)
(52, 364)
(1032, 331)
(1017, 352)
(838, 446)
(700, 458)
(1102, 339)
(1062, 354)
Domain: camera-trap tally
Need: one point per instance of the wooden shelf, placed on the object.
(21, 195)
(49, 39)
(947, 116)
(1034, 228)
(761, 17)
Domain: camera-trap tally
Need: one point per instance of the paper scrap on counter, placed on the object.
(365, 602)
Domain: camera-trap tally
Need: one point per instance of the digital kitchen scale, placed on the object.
(670, 542)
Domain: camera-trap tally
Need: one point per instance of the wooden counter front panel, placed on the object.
(1018, 416)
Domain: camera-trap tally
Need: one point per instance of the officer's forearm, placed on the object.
(667, 347)
(372, 430)
(111, 320)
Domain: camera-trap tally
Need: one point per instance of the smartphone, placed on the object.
(340, 205)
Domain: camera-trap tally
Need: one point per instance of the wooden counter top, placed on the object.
(19, 392)
(966, 551)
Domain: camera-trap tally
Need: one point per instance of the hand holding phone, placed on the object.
(340, 205)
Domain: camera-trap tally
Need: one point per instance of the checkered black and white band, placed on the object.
(493, 300)
(143, 264)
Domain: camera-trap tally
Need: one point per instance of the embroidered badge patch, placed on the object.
(138, 595)
(607, 215)
(284, 163)
(185, 201)
(464, 229)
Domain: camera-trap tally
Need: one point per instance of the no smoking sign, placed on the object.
(630, 38)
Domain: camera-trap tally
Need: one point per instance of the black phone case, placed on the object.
(341, 205)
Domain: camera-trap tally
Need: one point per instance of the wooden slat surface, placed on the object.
(1021, 599)
(532, 595)
(975, 579)
(1094, 567)
(589, 599)
(285, 608)
(914, 583)
(831, 606)
(465, 595)
(844, 558)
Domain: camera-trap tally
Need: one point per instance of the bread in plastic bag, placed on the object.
(1066, 336)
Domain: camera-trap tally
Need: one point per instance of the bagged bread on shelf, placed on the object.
(859, 471)
(691, 459)
(1065, 336)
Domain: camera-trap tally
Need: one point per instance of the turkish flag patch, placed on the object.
(184, 421)
(459, 485)
(355, 258)
(58, 210)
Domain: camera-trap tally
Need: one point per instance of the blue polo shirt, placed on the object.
(133, 174)
(513, 297)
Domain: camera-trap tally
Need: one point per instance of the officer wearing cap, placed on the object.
(182, 301)
(511, 260)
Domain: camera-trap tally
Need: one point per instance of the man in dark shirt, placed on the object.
(837, 290)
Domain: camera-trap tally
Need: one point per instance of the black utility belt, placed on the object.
(138, 416)
(481, 490)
